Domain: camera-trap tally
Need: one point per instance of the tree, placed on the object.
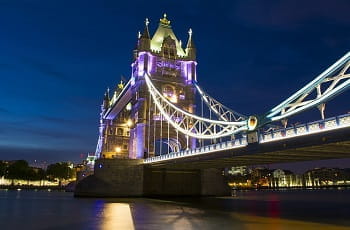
(19, 170)
(3, 168)
(59, 171)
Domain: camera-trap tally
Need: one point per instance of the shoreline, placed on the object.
(28, 187)
(290, 188)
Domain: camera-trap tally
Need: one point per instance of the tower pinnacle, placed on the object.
(144, 38)
(190, 48)
(164, 20)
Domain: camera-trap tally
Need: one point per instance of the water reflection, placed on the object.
(116, 216)
(270, 210)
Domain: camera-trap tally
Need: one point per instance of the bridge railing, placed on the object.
(306, 129)
(332, 123)
(232, 144)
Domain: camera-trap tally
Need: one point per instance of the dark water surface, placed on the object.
(296, 209)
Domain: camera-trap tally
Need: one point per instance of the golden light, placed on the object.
(118, 149)
(117, 216)
(129, 123)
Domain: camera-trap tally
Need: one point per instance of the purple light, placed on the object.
(100, 165)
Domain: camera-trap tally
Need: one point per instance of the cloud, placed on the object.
(5, 66)
(44, 68)
(50, 155)
(41, 132)
(56, 119)
(290, 13)
(3, 110)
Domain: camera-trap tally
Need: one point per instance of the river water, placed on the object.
(285, 209)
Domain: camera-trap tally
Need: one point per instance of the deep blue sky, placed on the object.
(58, 57)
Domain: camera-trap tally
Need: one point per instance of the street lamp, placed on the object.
(118, 149)
(129, 123)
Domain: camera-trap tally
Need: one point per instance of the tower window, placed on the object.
(120, 132)
(169, 93)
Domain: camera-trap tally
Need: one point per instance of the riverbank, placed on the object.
(291, 187)
(32, 187)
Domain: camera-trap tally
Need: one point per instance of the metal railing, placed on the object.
(332, 123)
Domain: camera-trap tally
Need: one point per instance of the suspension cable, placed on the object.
(149, 125)
(154, 129)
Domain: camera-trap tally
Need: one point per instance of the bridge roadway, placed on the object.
(325, 139)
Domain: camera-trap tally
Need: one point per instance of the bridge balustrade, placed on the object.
(301, 129)
(201, 150)
(305, 129)
(344, 120)
(330, 123)
(290, 132)
(315, 127)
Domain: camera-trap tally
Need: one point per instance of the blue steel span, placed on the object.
(242, 131)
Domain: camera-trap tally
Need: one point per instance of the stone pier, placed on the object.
(130, 178)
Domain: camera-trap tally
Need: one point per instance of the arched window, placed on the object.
(120, 132)
(169, 93)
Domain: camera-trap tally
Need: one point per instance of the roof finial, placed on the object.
(190, 48)
(164, 20)
(145, 33)
(121, 84)
(190, 32)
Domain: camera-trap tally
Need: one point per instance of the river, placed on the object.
(284, 209)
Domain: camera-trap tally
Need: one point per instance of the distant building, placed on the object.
(327, 177)
(285, 178)
(239, 170)
(86, 168)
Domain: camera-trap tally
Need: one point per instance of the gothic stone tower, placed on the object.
(172, 70)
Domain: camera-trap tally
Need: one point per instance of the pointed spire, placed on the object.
(190, 48)
(107, 93)
(144, 42)
(145, 33)
(106, 100)
(190, 43)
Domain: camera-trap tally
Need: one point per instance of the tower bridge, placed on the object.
(155, 138)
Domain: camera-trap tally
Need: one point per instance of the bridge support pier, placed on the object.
(113, 178)
(130, 178)
(213, 183)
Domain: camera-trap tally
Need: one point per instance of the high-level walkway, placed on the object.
(325, 139)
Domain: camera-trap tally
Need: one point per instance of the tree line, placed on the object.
(20, 170)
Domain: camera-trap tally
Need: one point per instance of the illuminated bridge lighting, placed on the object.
(234, 144)
(333, 123)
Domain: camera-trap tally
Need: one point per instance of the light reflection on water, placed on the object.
(116, 216)
(322, 209)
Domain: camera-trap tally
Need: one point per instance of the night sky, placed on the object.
(58, 57)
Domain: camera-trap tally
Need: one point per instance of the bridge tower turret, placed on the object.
(172, 70)
(130, 125)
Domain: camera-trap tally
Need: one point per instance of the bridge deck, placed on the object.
(331, 144)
